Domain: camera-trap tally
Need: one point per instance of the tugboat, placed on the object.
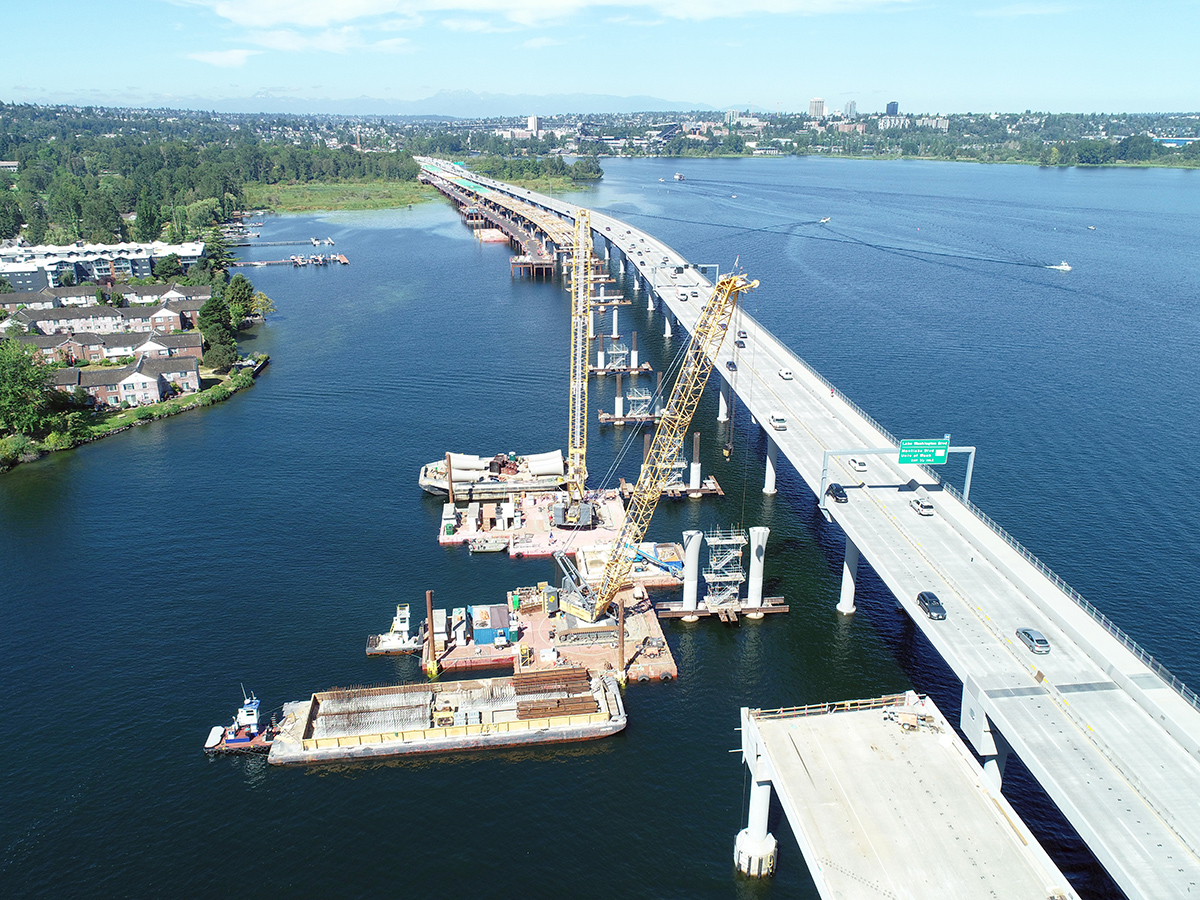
(401, 639)
(244, 735)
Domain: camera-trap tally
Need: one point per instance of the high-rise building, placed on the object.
(893, 108)
(535, 124)
(816, 108)
(850, 110)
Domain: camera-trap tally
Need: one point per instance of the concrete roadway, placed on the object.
(1115, 748)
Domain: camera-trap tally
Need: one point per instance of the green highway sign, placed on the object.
(929, 453)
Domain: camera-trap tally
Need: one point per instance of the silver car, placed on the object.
(1034, 640)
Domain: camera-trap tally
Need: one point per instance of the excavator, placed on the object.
(580, 599)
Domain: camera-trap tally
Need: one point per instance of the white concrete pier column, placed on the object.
(725, 401)
(666, 324)
(694, 473)
(616, 333)
(755, 852)
(633, 354)
(600, 353)
(591, 323)
(849, 576)
(772, 459)
(691, 570)
(650, 301)
(758, 552)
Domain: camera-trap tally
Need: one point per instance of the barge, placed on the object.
(550, 706)
(494, 477)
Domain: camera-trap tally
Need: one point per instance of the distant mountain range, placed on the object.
(449, 104)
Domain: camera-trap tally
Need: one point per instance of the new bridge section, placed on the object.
(1110, 736)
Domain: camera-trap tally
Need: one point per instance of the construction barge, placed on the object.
(544, 707)
(493, 477)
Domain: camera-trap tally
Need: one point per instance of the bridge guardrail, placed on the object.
(1143, 655)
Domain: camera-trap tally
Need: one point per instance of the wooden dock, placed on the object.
(644, 369)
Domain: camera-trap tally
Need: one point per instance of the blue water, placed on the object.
(261, 540)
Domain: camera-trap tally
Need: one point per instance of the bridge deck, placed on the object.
(1115, 747)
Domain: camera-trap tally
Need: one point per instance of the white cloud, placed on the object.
(324, 13)
(225, 59)
(1023, 9)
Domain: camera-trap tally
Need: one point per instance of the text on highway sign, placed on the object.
(928, 453)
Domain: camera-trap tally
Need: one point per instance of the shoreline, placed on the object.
(225, 388)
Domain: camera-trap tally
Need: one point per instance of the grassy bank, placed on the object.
(314, 196)
(16, 449)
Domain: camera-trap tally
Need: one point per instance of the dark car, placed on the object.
(740, 344)
(838, 493)
(731, 366)
(1034, 640)
(931, 605)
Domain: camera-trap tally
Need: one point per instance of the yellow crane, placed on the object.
(579, 598)
(577, 406)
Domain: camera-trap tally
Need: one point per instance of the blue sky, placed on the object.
(930, 55)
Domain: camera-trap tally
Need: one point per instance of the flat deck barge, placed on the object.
(551, 707)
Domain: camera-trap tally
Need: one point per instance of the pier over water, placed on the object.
(1111, 736)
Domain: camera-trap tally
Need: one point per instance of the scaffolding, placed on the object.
(639, 400)
(725, 573)
(617, 356)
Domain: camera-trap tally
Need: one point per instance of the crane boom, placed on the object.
(581, 303)
(664, 449)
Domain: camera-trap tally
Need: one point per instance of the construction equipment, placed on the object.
(579, 598)
(576, 513)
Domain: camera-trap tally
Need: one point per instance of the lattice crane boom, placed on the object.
(581, 304)
(710, 332)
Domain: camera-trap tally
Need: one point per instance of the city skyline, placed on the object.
(378, 56)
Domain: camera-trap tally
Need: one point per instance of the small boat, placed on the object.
(825, 221)
(487, 544)
(679, 176)
(1061, 267)
(400, 639)
(244, 735)
(1091, 228)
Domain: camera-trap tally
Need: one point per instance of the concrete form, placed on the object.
(885, 800)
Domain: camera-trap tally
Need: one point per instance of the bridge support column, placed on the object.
(758, 551)
(755, 852)
(849, 577)
(666, 324)
(591, 323)
(977, 729)
(726, 400)
(616, 334)
(691, 570)
(772, 459)
(650, 301)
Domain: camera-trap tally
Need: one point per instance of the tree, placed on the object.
(148, 224)
(216, 251)
(262, 305)
(10, 215)
(67, 279)
(220, 357)
(239, 296)
(168, 267)
(6, 288)
(214, 323)
(23, 398)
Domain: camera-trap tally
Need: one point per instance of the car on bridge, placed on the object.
(742, 334)
(1034, 640)
(778, 421)
(740, 344)
(930, 605)
(921, 505)
(785, 374)
(731, 366)
(857, 465)
(838, 493)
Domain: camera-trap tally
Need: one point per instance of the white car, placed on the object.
(778, 421)
(857, 465)
(921, 505)
(785, 374)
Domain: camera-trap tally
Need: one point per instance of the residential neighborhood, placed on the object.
(154, 337)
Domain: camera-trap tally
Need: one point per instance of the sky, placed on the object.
(930, 56)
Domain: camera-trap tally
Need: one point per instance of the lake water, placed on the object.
(261, 540)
